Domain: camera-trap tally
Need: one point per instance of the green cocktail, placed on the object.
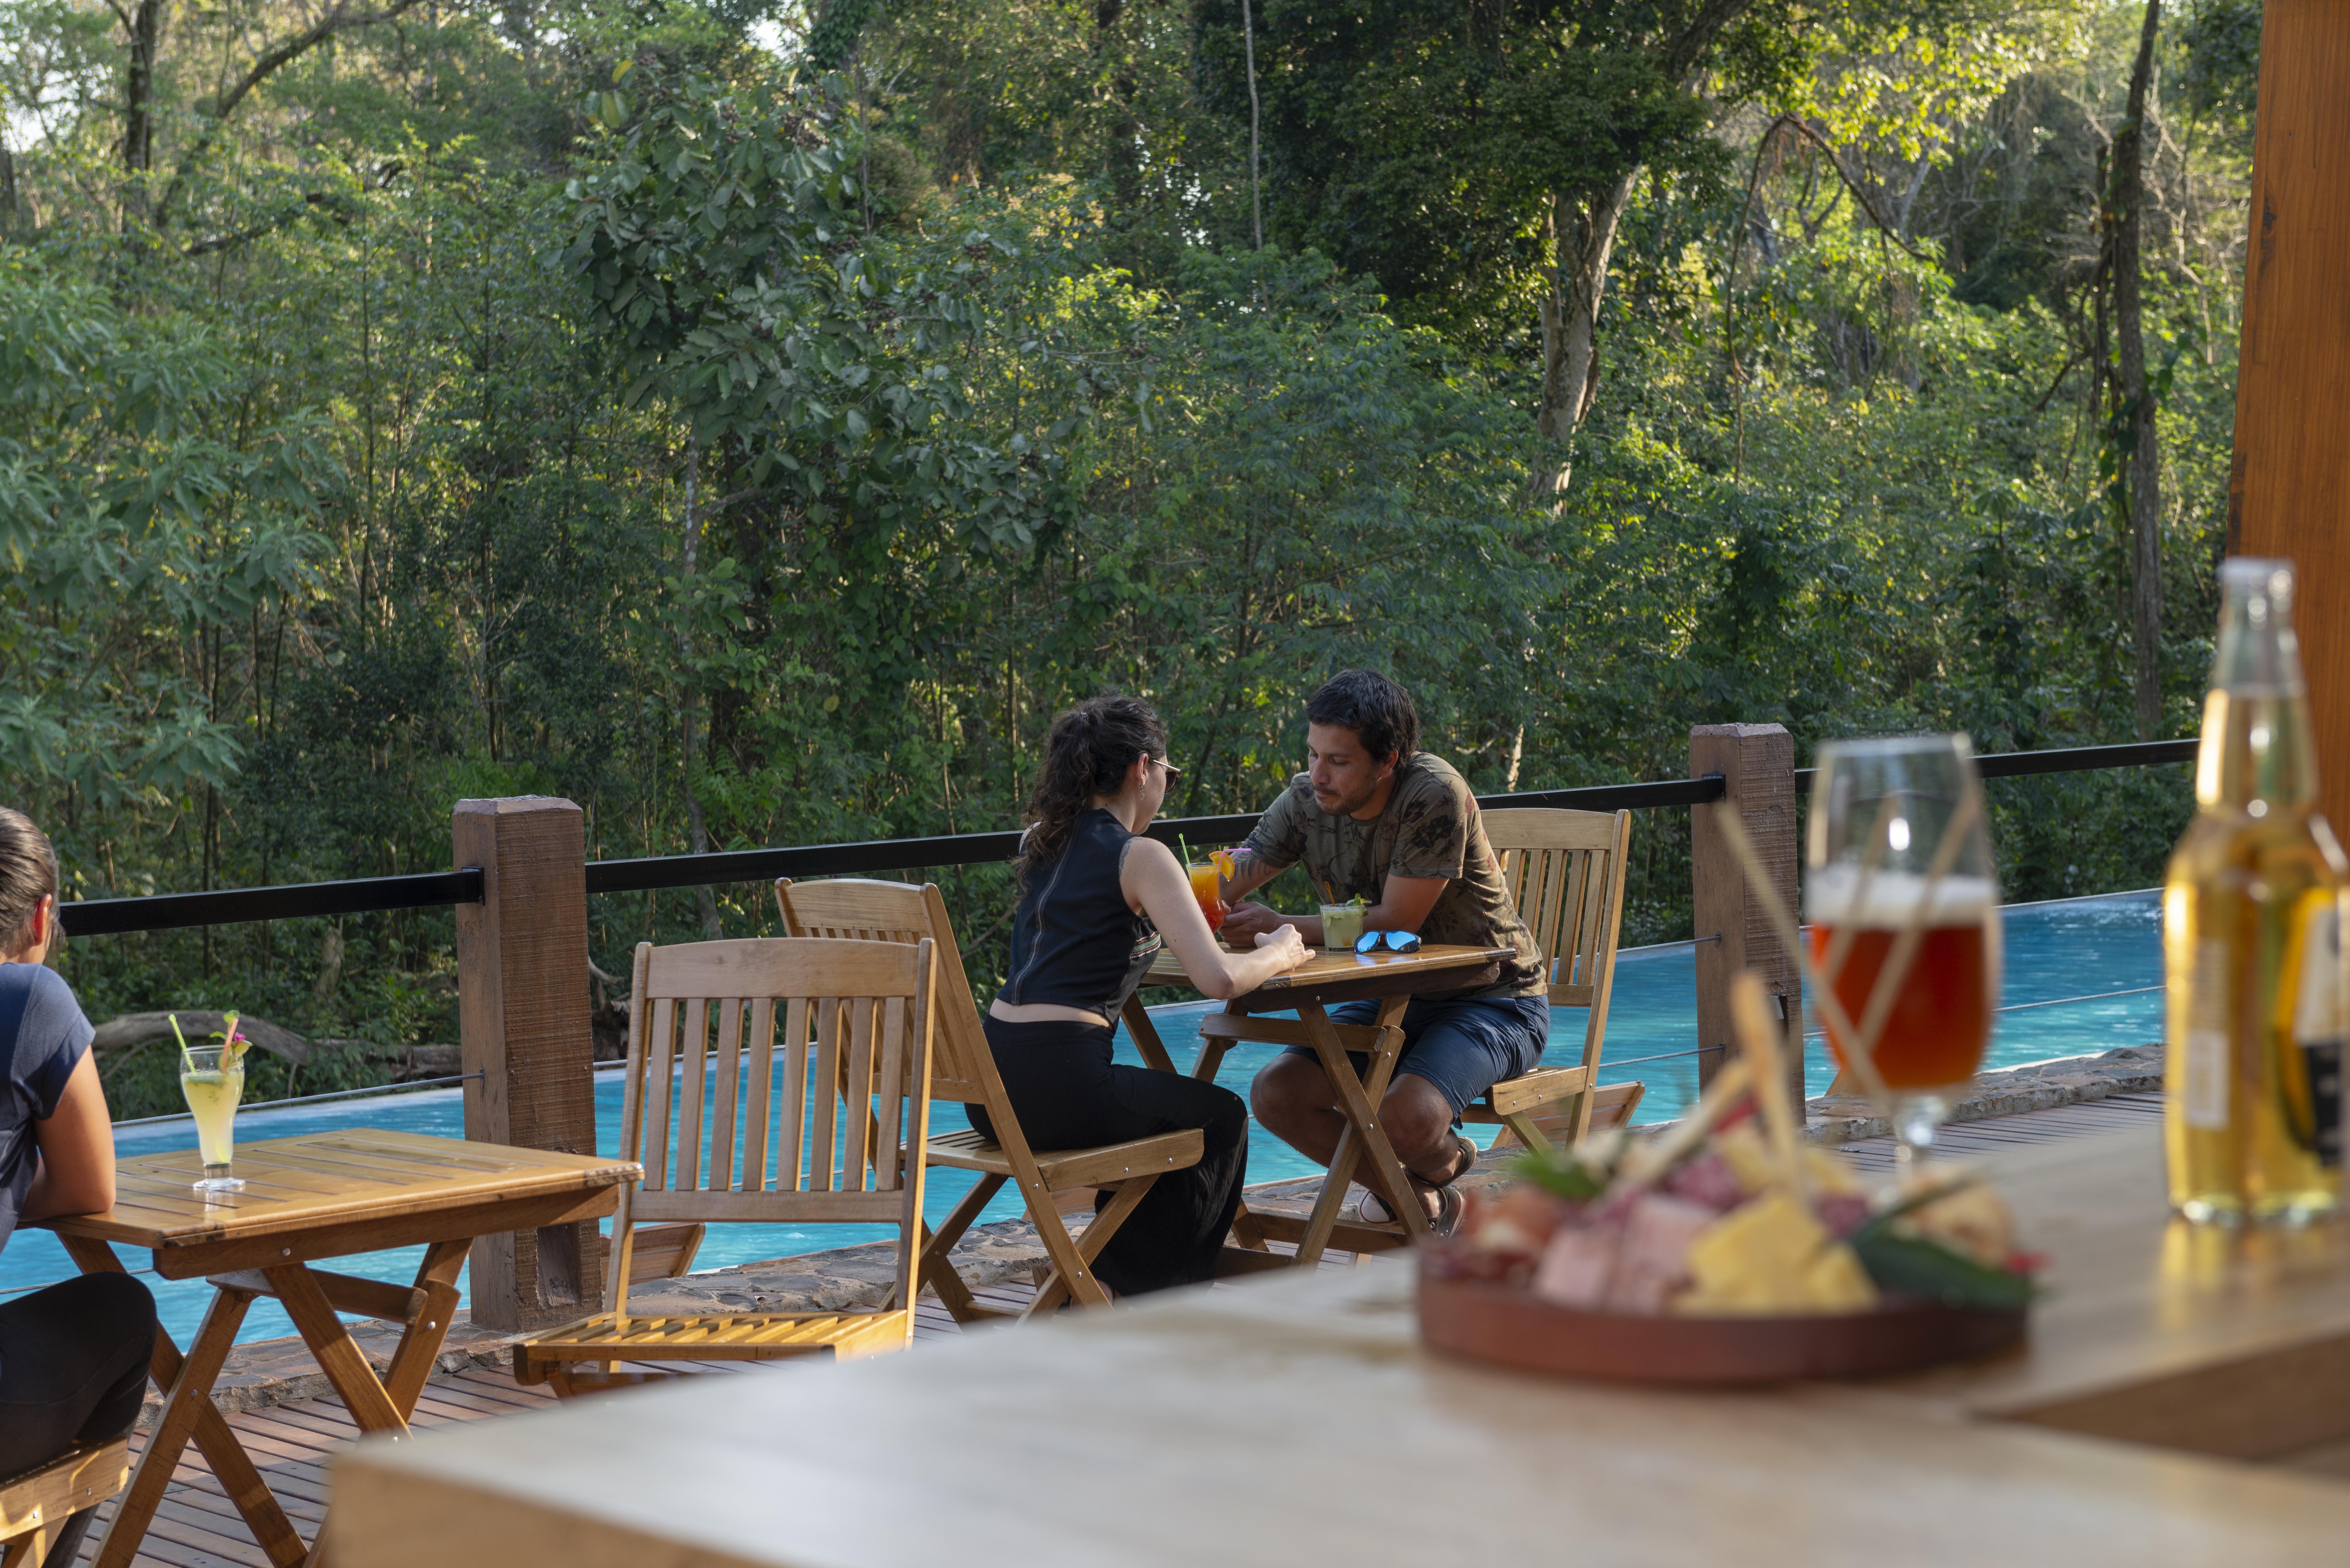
(1342, 924)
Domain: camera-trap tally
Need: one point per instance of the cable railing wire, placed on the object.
(372, 1090)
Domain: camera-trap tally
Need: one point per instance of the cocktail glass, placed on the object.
(1207, 891)
(212, 1078)
(1904, 916)
(1342, 924)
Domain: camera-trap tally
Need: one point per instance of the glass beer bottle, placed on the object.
(2251, 936)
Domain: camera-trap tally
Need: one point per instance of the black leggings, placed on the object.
(73, 1367)
(1068, 1094)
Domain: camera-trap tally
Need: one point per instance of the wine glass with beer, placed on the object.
(1904, 921)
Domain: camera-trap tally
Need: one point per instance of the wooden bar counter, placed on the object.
(1295, 1419)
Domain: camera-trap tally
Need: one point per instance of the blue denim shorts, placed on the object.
(1464, 1047)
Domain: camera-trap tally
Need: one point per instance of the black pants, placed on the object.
(1068, 1094)
(73, 1369)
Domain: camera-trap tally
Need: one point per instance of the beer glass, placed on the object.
(1904, 917)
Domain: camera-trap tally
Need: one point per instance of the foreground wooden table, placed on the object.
(1392, 979)
(323, 1195)
(1295, 1420)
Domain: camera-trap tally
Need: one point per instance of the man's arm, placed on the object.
(1404, 903)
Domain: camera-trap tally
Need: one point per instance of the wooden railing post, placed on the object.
(522, 1000)
(1757, 764)
(2290, 491)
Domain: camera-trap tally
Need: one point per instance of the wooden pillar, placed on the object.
(1757, 764)
(522, 1000)
(2290, 491)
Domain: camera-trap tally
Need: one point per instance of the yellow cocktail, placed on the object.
(212, 1078)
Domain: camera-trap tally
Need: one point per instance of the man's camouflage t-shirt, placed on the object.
(1430, 829)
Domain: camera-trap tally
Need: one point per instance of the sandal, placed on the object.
(1372, 1209)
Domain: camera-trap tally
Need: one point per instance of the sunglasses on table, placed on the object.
(1389, 941)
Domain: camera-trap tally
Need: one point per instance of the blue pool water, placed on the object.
(2056, 952)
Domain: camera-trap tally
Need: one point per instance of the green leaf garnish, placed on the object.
(1570, 1178)
(1913, 1266)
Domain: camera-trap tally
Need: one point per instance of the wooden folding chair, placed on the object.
(850, 1024)
(965, 1071)
(35, 1506)
(1565, 871)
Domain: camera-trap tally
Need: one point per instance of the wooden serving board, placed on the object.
(1512, 1326)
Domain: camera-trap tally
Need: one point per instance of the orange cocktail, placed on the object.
(1207, 887)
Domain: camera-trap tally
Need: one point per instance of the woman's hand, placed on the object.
(1285, 943)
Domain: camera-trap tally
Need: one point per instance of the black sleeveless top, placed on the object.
(1074, 943)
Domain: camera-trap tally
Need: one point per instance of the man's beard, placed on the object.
(1346, 805)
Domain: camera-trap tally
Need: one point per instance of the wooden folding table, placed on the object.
(1392, 979)
(322, 1195)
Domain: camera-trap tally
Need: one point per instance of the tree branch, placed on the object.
(218, 109)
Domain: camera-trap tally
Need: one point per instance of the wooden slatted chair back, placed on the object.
(877, 912)
(1566, 872)
(773, 1081)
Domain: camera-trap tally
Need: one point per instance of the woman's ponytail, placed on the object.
(1088, 753)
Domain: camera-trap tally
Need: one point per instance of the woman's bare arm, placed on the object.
(77, 1145)
(1151, 877)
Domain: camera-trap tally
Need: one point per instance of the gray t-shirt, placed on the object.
(1430, 828)
(42, 1037)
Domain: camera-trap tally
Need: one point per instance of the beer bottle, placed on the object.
(2252, 917)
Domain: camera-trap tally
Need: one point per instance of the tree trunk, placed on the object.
(1583, 234)
(2145, 498)
(697, 831)
(139, 95)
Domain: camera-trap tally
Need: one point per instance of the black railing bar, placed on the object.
(2064, 759)
(106, 916)
(234, 906)
(315, 1099)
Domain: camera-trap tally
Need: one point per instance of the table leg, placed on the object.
(1386, 1173)
(1145, 1035)
(188, 1411)
(419, 1344)
(337, 1355)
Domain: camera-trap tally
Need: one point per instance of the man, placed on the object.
(1375, 816)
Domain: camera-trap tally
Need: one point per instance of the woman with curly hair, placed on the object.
(1096, 903)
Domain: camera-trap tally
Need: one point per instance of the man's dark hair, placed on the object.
(1379, 710)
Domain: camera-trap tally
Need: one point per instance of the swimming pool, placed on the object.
(2065, 962)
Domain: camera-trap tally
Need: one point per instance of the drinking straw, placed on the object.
(185, 1060)
(1187, 853)
(229, 1049)
(1646, 1162)
(1759, 1041)
(1861, 1062)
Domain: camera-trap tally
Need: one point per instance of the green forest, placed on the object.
(756, 422)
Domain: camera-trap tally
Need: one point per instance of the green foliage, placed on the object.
(587, 402)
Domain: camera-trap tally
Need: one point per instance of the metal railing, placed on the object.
(441, 889)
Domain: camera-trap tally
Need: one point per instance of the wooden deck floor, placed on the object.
(198, 1527)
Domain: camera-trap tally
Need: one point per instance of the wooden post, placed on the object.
(2290, 491)
(522, 1001)
(1757, 764)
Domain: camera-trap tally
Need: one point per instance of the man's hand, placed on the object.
(1248, 920)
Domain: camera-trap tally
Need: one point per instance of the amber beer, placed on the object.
(1941, 1013)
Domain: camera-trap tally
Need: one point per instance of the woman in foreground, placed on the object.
(74, 1356)
(1096, 901)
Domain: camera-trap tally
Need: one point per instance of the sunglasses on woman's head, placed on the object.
(1393, 941)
